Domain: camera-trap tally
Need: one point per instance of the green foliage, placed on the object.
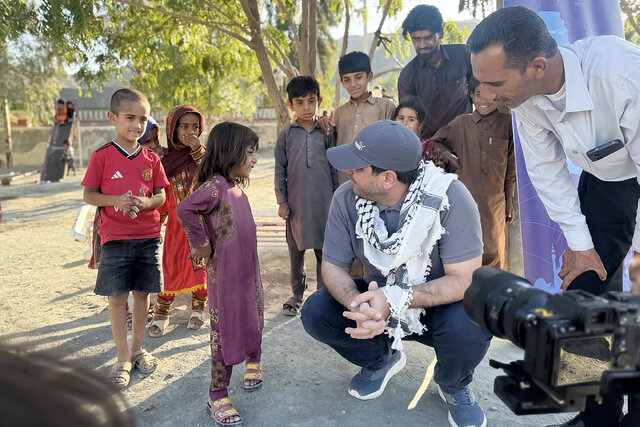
(452, 35)
(474, 6)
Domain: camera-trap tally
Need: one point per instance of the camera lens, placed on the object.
(499, 302)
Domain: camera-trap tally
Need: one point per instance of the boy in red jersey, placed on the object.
(126, 182)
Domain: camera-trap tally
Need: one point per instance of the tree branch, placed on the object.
(626, 8)
(345, 41)
(376, 37)
(287, 67)
(218, 26)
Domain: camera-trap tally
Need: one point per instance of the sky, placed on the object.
(448, 8)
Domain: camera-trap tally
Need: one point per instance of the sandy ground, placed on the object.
(48, 303)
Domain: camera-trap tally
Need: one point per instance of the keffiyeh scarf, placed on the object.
(404, 257)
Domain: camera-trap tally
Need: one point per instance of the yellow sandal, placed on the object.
(222, 410)
(253, 372)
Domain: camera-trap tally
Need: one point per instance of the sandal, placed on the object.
(144, 361)
(120, 374)
(253, 372)
(196, 320)
(222, 410)
(291, 307)
(157, 326)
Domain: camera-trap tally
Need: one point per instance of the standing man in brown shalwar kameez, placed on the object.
(438, 75)
(479, 148)
(304, 184)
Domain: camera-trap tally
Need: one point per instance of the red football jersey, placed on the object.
(114, 172)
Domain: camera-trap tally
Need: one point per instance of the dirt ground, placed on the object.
(48, 303)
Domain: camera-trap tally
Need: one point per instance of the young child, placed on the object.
(151, 141)
(127, 183)
(71, 110)
(304, 184)
(61, 112)
(363, 108)
(411, 114)
(479, 148)
(181, 275)
(68, 157)
(218, 222)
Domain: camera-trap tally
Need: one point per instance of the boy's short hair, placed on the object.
(126, 95)
(354, 62)
(60, 101)
(423, 17)
(66, 142)
(69, 102)
(302, 86)
(473, 85)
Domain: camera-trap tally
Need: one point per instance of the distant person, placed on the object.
(438, 74)
(68, 158)
(61, 112)
(151, 140)
(218, 221)
(362, 108)
(304, 184)
(417, 232)
(127, 183)
(479, 149)
(70, 111)
(579, 102)
(181, 274)
(411, 114)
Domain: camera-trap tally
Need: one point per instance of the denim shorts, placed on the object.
(129, 265)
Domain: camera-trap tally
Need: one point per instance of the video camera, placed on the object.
(575, 344)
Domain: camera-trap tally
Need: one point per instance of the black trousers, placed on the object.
(610, 209)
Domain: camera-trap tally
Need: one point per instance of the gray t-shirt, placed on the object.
(461, 242)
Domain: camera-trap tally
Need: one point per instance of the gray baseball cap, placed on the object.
(385, 144)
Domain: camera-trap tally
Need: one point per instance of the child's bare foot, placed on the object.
(223, 412)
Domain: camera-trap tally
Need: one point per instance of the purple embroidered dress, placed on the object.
(218, 213)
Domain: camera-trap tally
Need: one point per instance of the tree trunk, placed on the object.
(7, 133)
(345, 41)
(313, 37)
(303, 39)
(253, 17)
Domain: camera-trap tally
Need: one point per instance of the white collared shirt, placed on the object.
(602, 76)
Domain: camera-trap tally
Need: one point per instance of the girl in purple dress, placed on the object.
(218, 222)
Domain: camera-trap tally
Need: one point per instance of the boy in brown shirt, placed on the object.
(362, 109)
(479, 148)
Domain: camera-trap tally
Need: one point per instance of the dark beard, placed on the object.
(429, 56)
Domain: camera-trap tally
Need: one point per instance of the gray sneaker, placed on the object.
(370, 384)
(464, 411)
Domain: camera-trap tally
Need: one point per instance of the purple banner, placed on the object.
(543, 242)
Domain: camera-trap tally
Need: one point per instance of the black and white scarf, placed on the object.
(404, 257)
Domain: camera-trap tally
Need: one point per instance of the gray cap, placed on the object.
(385, 144)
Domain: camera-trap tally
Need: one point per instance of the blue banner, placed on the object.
(543, 242)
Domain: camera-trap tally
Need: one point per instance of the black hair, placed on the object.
(39, 389)
(69, 102)
(405, 177)
(226, 148)
(354, 62)
(60, 101)
(521, 32)
(302, 86)
(472, 85)
(126, 95)
(66, 142)
(413, 103)
(423, 17)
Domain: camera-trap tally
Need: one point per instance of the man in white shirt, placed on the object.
(568, 101)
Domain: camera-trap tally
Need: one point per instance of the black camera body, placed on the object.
(575, 344)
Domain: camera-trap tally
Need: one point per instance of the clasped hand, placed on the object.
(369, 310)
(130, 204)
